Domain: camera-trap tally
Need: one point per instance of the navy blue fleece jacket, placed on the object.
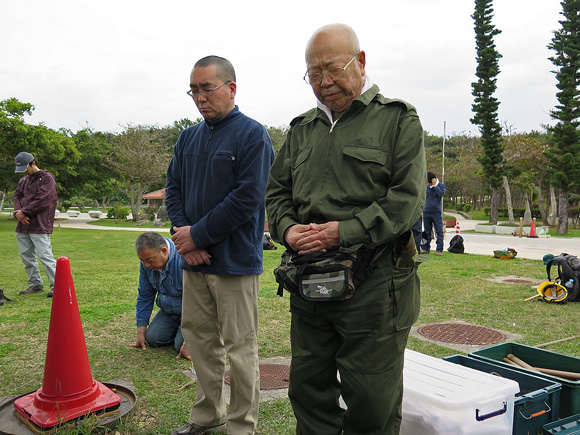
(216, 183)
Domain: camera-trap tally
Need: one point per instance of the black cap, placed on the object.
(22, 161)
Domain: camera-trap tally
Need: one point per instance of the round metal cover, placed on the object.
(272, 376)
(10, 424)
(459, 333)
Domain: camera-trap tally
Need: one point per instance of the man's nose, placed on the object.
(326, 80)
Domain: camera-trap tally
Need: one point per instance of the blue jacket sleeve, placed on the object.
(145, 298)
(439, 190)
(173, 195)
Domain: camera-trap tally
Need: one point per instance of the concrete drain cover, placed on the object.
(272, 376)
(458, 333)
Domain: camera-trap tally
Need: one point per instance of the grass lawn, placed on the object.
(105, 272)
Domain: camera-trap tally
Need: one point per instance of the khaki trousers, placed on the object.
(219, 316)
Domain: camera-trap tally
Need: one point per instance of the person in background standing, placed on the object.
(433, 213)
(34, 207)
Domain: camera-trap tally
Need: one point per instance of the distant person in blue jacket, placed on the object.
(216, 187)
(160, 277)
(433, 213)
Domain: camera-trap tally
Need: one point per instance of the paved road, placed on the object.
(530, 248)
(83, 222)
(475, 243)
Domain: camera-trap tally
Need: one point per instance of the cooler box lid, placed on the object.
(452, 386)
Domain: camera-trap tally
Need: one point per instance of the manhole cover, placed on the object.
(272, 376)
(458, 333)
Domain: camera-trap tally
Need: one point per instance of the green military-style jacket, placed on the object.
(367, 172)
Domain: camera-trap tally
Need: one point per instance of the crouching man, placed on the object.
(161, 280)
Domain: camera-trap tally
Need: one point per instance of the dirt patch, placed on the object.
(512, 279)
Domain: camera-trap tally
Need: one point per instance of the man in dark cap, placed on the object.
(34, 206)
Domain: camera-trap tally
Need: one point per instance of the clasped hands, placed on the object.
(312, 237)
(185, 246)
(20, 216)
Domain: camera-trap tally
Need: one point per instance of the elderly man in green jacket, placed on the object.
(350, 175)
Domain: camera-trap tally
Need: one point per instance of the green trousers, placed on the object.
(363, 339)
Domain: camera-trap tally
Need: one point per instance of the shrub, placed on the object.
(467, 208)
(518, 212)
(118, 212)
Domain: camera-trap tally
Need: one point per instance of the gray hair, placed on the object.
(225, 70)
(150, 240)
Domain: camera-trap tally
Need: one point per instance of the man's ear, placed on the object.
(232, 86)
(362, 61)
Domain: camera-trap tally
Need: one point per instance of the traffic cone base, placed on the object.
(45, 413)
(69, 391)
(533, 230)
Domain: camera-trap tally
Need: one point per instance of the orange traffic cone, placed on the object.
(533, 230)
(457, 229)
(68, 390)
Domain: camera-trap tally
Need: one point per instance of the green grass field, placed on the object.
(105, 272)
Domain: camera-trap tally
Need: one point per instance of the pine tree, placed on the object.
(564, 153)
(485, 105)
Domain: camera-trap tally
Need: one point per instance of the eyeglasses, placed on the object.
(205, 92)
(333, 74)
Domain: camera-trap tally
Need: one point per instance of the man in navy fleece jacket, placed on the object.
(215, 193)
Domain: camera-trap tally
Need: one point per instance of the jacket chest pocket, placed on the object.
(223, 170)
(366, 168)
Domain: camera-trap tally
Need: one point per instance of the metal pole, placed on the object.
(443, 162)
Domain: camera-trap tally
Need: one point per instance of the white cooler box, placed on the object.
(440, 397)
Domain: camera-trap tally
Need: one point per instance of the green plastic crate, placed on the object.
(566, 426)
(538, 402)
(570, 394)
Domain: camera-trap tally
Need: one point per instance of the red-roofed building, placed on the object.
(155, 199)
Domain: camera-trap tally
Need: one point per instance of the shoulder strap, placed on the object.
(549, 267)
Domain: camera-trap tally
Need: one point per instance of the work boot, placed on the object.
(32, 289)
(3, 298)
(49, 294)
(195, 429)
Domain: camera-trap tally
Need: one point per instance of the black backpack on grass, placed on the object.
(568, 268)
(456, 245)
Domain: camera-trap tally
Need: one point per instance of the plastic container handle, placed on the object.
(491, 414)
(536, 414)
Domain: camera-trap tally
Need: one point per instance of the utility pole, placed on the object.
(443, 164)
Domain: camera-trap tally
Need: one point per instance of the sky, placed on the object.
(107, 64)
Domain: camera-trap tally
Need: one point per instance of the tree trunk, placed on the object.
(562, 212)
(2, 196)
(544, 209)
(553, 216)
(493, 201)
(508, 199)
(132, 199)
